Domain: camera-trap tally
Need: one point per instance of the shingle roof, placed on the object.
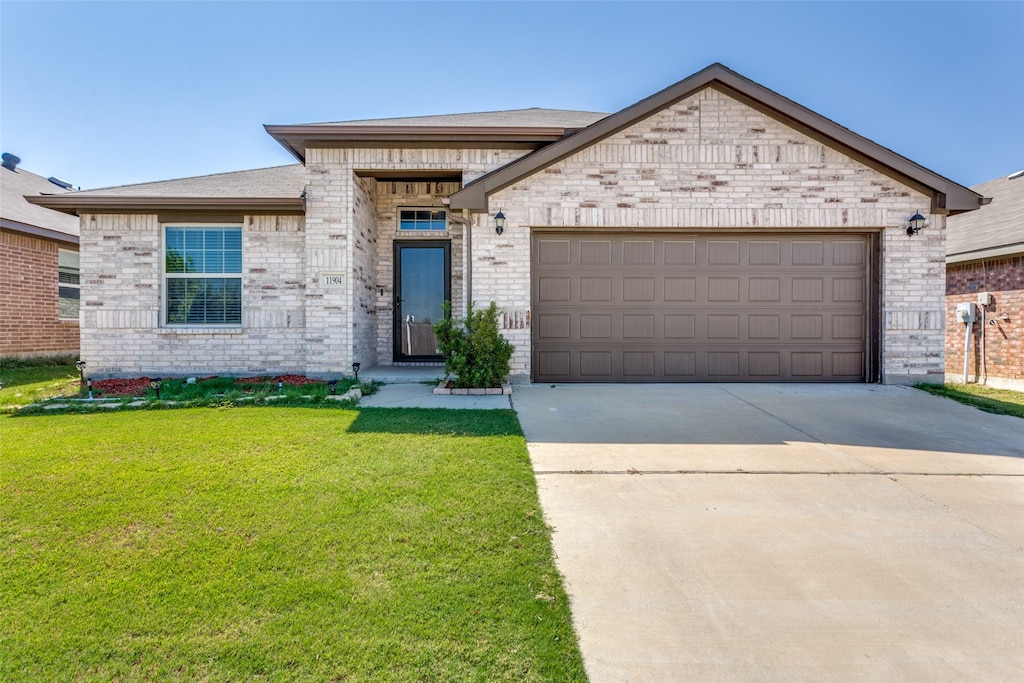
(14, 186)
(534, 117)
(276, 181)
(996, 230)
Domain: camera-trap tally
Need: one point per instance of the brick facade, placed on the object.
(708, 163)
(1002, 330)
(29, 320)
(711, 163)
(122, 298)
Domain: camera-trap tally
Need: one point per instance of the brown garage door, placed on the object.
(699, 308)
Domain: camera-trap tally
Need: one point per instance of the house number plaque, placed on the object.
(334, 280)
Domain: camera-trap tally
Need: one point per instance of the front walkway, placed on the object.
(783, 532)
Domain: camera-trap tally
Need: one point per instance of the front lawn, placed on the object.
(292, 544)
(998, 401)
(29, 382)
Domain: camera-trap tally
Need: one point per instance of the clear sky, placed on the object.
(106, 93)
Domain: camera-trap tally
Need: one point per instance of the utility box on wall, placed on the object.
(966, 312)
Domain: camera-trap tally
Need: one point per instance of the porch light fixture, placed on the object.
(355, 370)
(499, 222)
(332, 386)
(155, 385)
(915, 224)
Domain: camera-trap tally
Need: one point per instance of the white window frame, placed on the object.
(77, 286)
(165, 277)
(415, 231)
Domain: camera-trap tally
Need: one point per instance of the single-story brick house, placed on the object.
(985, 265)
(39, 293)
(714, 231)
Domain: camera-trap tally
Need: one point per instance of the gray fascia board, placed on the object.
(957, 198)
(987, 253)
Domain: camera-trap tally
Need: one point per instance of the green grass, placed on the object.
(28, 383)
(998, 401)
(294, 544)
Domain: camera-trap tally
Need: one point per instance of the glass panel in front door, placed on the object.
(421, 297)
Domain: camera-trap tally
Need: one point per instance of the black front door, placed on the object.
(422, 285)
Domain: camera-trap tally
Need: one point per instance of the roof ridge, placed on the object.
(448, 115)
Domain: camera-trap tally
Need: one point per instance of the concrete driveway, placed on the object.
(783, 532)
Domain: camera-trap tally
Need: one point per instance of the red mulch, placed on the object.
(139, 385)
(121, 387)
(290, 380)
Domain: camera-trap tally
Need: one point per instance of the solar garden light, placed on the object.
(155, 385)
(80, 364)
(280, 386)
(332, 386)
(88, 383)
(355, 370)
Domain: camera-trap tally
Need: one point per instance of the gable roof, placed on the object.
(278, 188)
(996, 230)
(18, 213)
(947, 196)
(520, 128)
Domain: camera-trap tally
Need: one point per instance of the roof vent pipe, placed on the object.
(10, 161)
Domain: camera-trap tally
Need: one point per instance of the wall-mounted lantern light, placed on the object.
(499, 222)
(155, 385)
(915, 224)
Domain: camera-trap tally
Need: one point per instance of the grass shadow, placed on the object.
(437, 421)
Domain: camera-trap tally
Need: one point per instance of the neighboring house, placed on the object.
(38, 268)
(715, 231)
(985, 258)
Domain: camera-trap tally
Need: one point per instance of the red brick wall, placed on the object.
(1004, 341)
(29, 324)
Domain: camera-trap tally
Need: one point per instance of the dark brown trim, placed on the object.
(76, 204)
(425, 175)
(874, 350)
(35, 231)
(947, 196)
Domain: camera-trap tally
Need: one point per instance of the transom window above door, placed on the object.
(422, 219)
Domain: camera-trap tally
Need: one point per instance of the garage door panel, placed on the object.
(669, 308)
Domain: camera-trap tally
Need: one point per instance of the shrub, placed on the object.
(474, 350)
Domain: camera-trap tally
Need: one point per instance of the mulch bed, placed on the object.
(138, 386)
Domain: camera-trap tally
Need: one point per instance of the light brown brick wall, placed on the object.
(122, 294)
(29, 322)
(712, 163)
(1004, 328)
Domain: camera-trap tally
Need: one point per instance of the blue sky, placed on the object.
(105, 93)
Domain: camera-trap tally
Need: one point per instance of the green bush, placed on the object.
(475, 352)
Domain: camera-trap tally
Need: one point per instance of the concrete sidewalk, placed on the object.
(421, 396)
(783, 532)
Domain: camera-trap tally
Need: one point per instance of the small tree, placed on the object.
(474, 351)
